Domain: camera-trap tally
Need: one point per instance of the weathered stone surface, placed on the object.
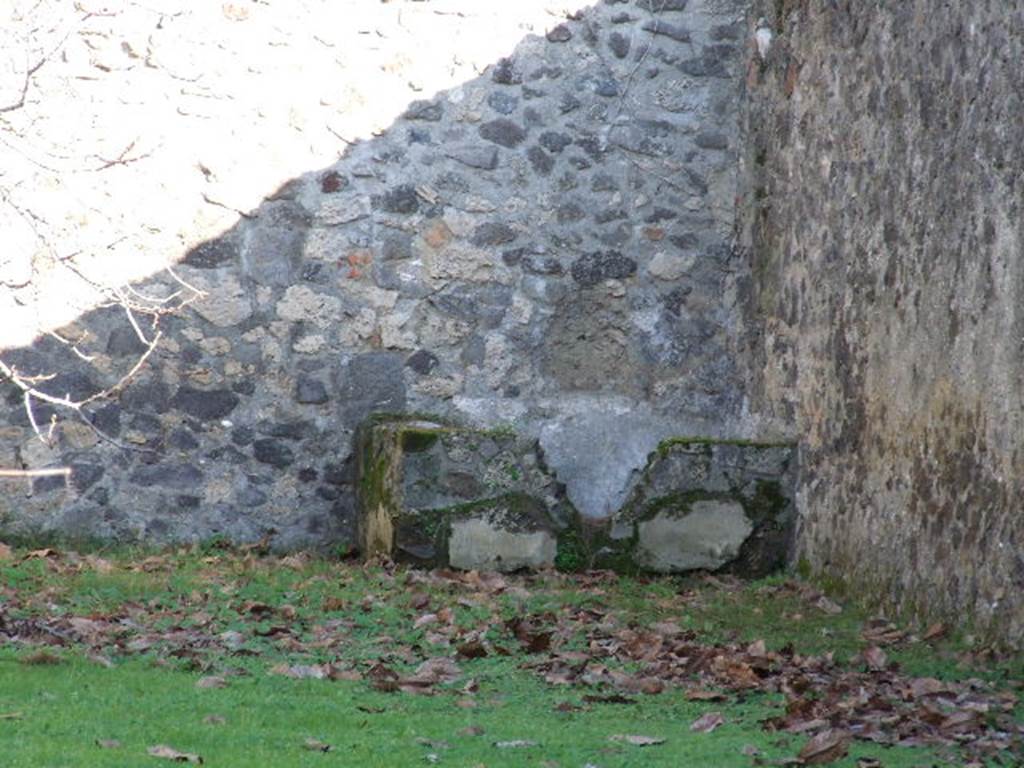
(619, 44)
(176, 476)
(484, 254)
(591, 268)
(504, 132)
(310, 391)
(372, 381)
(424, 110)
(479, 544)
(435, 494)
(706, 535)
(205, 405)
(673, 31)
(475, 156)
(273, 452)
(890, 301)
(702, 503)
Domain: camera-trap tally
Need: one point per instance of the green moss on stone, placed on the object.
(665, 446)
(767, 502)
(416, 440)
(572, 553)
(680, 503)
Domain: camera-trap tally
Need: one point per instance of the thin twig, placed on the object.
(24, 87)
(55, 472)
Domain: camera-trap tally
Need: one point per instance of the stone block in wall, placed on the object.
(433, 494)
(704, 504)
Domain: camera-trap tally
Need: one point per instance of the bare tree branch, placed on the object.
(21, 473)
(24, 87)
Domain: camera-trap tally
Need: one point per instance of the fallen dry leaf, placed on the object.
(296, 562)
(99, 564)
(876, 659)
(108, 743)
(827, 747)
(313, 672)
(636, 740)
(934, 632)
(6, 553)
(830, 607)
(164, 752)
(315, 745)
(42, 554)
(40, 658)
(212, 681)
(707, 723)
(214, 720)
(11, 715)
(515, 744)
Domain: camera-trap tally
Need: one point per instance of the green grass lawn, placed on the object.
(101, 659)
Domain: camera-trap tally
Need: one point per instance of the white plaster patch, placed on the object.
(478, 545)
(708, 537)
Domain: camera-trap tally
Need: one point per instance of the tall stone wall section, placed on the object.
(547, 247)
(883, 221)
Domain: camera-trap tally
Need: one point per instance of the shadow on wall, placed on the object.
(547, 246)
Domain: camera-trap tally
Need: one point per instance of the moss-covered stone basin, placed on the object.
(442, 495)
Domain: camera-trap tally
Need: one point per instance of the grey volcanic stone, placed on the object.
(619, 44)
(85, 475)
(274, 452)
(108, 419)
(205, 405)
(182, 477)
(659, 27)
(401, 199)
(251, 497)
(711, 140)
(422, 361)
(503, 102)
(492, 233)
(396, 246)
(372, 381)
(273, 246)
(559, 34)
(478, 303)
(555, 142)
(152, 396)
(475, 156)
(424, 110)
(540, 160)
(505, 72)
(310, 391)
(125, 342)
(183, 440)
(289, 430)
(213, 254)
(592, 268)
(659, 6)
(503, 131)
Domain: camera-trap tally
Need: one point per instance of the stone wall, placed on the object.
(883, 220)
(548, 247)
